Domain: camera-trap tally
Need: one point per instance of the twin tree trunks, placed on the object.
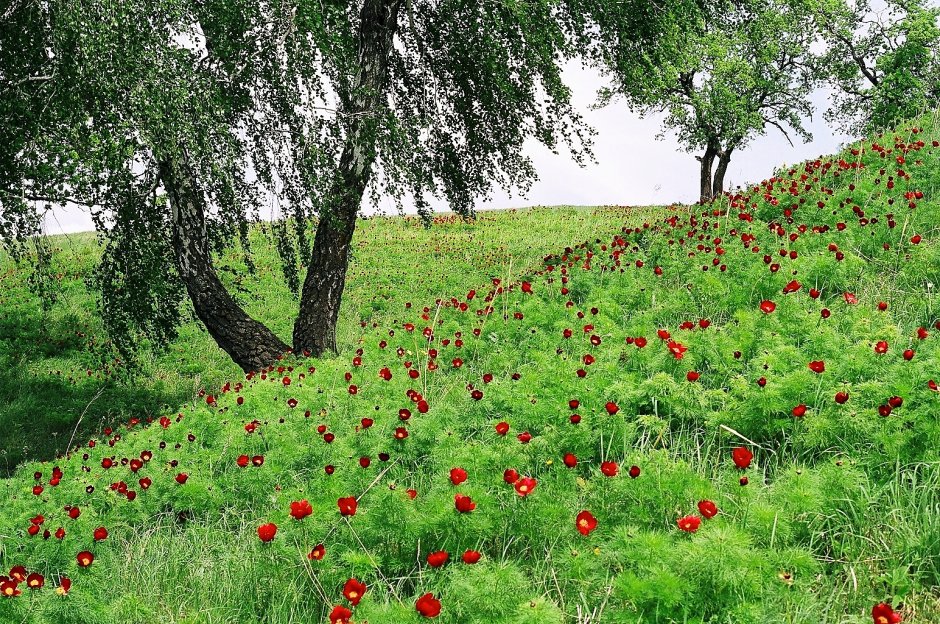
(248, 342)
(713, 185)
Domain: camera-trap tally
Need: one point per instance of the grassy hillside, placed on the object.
(58, 363)
(726, 415)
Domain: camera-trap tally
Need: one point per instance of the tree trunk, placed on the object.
(315, 328)
(705, 179)
(724, 157)
(250, 344)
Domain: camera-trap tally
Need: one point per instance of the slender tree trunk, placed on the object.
(724, 157)
(250, 344)
(315, 328)
(705, 179)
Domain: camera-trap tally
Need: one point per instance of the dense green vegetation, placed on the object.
(676, 363)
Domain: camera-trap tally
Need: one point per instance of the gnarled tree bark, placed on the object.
(315, 327)
(250, 344)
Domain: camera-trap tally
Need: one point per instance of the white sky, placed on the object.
(632, 167)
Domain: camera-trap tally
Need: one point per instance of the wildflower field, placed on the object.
(723, 413)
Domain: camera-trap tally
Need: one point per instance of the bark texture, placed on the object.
(250, 344)
(705, 179)
(724, 157)
(315, 327)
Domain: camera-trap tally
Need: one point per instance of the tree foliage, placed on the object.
(260, 101)
(722, 76)
(884, 65)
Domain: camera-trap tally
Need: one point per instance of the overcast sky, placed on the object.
(632, 167)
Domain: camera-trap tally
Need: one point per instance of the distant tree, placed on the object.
(171, 120)
(884, 65)
(721, 76)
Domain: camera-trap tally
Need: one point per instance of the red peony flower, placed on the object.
(689, 524)
(85, 559)
(340, 615)
(266, 532)
(585, 522)
(742, 457)
(525, 485)
(353, 590)
(428, 606)
(767, 306)
(438, 558)
(612, 408)
(347, 506)
(817, 366)
(707, 508)
(463, 503)
(458, 475)
(317, 554)
(609, 468)
(471, 556)
(882, 613)
(100, 534)
(300, 509)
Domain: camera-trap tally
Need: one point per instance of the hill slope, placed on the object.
(723, 415)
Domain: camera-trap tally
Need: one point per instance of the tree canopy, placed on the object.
(722, 77)
(172, 121)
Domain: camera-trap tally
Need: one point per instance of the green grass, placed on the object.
(841, 509)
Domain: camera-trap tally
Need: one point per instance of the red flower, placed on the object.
(502, 428)
(458, 475)
(64, 586)
(463, 503)
(692, 376)
(677, 350)
(570, 460)
(792, 287)
(428, 606)
(85, 559)
(525, 485)
(340, 615)
(689, 524)
(353, 590)
(242, 461)
(850, 298)
(317, 554)
(609, 468)
(101, 533)
(881, 347)
(842, 397)
(347, 506)
(707, 508)
(300, 509)
(799, 411)
(634, 472)
(438, 558)
(471, 556)
(612, 408)
(742, 457)
(510, 476)
(817, 366)
(882, 613)
(181, 478)
(9, 589)
(266, 532)
(585, 522)
(767, 306)
(35, 580)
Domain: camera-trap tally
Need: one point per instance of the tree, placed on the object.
(721, 78)
(885, 65)
(171, 120)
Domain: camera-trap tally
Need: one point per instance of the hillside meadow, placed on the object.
(724, 413)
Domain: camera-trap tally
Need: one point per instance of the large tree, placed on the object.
(884, 64)
(721, 77)
(171, 120)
